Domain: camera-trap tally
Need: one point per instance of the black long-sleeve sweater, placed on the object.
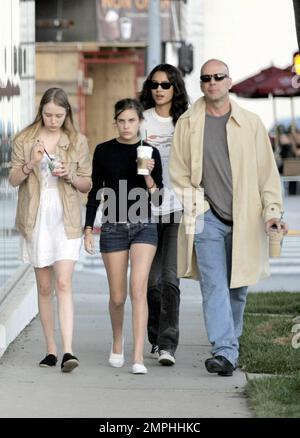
(117, 184)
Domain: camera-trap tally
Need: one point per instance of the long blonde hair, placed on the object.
(59, 97)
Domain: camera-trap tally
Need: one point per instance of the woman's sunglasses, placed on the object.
(217, 77)
(164, 85)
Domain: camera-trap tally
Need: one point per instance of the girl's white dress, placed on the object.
(49, 242)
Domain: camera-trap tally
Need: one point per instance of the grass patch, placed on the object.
(275, 397)
(266, 345)
(274, 302)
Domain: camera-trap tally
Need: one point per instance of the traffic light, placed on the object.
(297, 63)
(186, 58)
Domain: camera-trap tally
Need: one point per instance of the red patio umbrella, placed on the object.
(284, 84)
(270, 81)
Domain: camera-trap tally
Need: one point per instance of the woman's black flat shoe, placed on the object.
(69, 362)
(48, 361)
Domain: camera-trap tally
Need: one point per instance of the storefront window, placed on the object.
(16, 110)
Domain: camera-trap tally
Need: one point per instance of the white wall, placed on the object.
(248, 35)
(193, 33)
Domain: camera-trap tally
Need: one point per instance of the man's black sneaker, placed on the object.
(48, 361)
(69, 362)
(220, 365)
(154, 351)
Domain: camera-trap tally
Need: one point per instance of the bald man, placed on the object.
(223, 169)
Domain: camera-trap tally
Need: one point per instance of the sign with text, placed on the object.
(127, 20)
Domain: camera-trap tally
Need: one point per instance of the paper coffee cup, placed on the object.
(143, 155)
(275, 242)
(125, 28)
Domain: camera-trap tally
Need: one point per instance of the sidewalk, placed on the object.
(95, 390)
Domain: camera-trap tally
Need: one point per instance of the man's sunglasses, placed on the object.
(164, 85)
(217, 77)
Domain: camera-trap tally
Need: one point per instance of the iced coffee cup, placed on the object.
(112, 25)
(275, 242)
(54, 164)
(144, 153)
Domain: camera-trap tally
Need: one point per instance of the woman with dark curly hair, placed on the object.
(164, 99)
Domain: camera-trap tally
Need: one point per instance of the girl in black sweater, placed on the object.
(127, 232)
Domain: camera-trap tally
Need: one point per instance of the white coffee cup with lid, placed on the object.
(144, 153)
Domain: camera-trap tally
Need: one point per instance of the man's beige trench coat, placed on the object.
(256, 190)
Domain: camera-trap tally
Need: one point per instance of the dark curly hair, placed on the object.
(180, 98)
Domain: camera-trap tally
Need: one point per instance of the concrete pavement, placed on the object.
(96, 390)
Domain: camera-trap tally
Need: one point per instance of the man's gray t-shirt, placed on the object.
(217, 177)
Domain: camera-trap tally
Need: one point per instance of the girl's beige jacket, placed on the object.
(76, 158)
(256, 190)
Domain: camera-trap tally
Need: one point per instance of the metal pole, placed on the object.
(154, 46)
(276, 146)
(293, 117)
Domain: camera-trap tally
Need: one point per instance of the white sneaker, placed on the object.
(116, 360)
(139, 368)
(166, 358)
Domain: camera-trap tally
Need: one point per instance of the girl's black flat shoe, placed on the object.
(48, 361)
(69, 362)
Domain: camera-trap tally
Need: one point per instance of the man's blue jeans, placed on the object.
(223, 307)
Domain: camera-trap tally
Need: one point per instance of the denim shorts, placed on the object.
(120, 236)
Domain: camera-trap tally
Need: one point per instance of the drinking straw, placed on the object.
(42, 143)
(48, 155)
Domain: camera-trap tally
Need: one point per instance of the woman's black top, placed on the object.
(117, 185)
